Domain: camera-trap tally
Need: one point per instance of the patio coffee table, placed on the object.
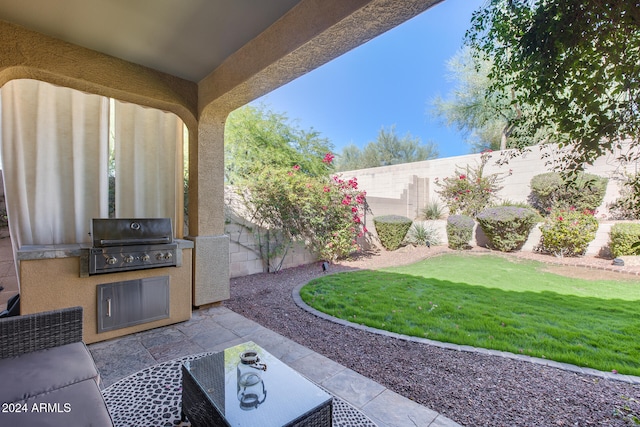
(213, 393)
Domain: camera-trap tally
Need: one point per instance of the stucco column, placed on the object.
(309, 35)
(206, 210)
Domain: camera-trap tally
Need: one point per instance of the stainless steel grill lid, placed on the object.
(123, 244)
(131, 231)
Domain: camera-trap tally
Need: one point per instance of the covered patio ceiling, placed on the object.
(186, 38)
(190, 39)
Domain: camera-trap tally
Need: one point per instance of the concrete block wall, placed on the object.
(406, 189)
(393, 182)
(244, 253)
(389, 187)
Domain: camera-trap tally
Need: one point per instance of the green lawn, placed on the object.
(493, 302)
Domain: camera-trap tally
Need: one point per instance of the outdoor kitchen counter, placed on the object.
(52, 277)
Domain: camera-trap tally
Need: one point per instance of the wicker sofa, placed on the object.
(47, 375)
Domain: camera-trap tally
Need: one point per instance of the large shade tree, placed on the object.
(575, 63)
(387, 149)
(257, 138)
(487, 118)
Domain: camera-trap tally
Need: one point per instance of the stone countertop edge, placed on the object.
(33, 252)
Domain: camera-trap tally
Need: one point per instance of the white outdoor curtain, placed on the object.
(149, 164)
(54, 155)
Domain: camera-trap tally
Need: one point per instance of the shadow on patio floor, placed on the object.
(216, 328)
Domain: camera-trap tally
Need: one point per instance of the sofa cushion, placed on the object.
(80, 404)
(41, 371)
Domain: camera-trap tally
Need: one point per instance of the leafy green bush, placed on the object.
(392, 230)
(424, 234)
(627, 206)
(623, 237)
(550, 191)
(507, 227)
(459, 231)
(568, 232)
(469, 190)
(324, 212)
(433, 210)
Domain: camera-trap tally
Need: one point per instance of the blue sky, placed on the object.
(390, 80)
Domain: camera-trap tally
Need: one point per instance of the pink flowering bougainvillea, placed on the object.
(323, 212)
(568, 232)
(469, 191)
(328, 158)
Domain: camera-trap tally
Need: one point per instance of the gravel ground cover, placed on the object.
(471, 388)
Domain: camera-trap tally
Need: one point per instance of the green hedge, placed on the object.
(459, 231)
(622, 238)
(507, 227)
(549, 191)
(392, 230)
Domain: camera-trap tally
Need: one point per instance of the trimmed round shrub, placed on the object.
(550, 191)
(568, 233)
(623, 237)
(392, 230)
(507, 227)
(459, 231)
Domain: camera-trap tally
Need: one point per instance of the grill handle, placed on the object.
(119, 242)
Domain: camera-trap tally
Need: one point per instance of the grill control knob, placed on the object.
(168, 255)
(112, 260)
(128, 259)
(159, 256)
(145, 257)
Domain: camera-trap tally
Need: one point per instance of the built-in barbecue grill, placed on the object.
(131, 244)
